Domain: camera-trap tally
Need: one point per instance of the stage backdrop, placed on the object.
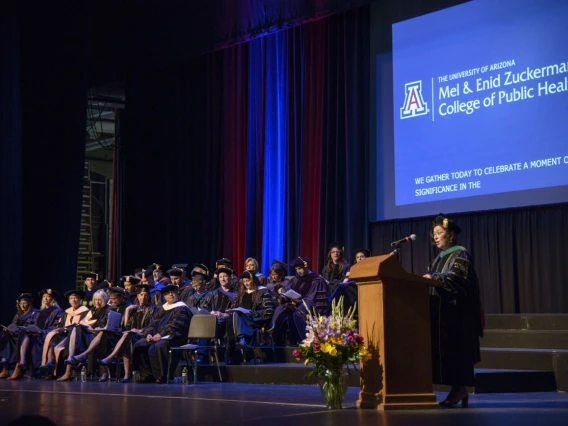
(518, 254)
(256, 150)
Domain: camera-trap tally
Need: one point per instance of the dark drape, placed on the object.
(241, 152)
(54, 86)
(518, 254)
(10, 166)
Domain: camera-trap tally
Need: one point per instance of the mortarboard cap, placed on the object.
(301, 262)
(76, 292)
(51, 292)
(224, 261)
(90, 275)
(366, 252)
(228, 271)
(25, 296)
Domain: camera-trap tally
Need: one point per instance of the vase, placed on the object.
(333, 386)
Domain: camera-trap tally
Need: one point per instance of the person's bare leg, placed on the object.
(72, 340)
(117, 348)
(68, 374)
(92, 346)
(24, 349)
(126, 362)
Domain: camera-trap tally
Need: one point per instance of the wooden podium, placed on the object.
(394, 319)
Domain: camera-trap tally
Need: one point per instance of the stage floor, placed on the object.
(93, 403)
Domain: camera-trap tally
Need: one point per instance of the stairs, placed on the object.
(520, 353)
(86, 258)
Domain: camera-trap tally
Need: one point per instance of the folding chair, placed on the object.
(201, 327)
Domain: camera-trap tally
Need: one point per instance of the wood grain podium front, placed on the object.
(394, 319)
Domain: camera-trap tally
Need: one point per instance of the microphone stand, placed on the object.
(396, 249)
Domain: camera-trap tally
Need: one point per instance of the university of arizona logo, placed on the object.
(414, 104)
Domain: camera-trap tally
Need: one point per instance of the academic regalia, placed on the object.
(186, 293)
(151, 358)
(8, 341)
(455, 318)
(53, 338)
(47, 320)
(214, 284)
(241, 327)
(221, 300)
(334, 275)
(200, 300)
(139, 317)
(315, 292)
(83, 338)
(274, 287)
(337, 287)
(88, 298)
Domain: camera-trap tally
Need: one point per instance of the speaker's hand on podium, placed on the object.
(428, 276)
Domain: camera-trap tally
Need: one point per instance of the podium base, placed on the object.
(420, 401)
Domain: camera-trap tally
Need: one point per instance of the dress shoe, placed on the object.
(49, 377)
(65, 379)
(454, 397)
(46, 370)
(147, 379)
(125, 380)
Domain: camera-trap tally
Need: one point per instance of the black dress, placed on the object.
(455, 318)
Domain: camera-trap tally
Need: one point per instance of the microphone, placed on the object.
(404, 240)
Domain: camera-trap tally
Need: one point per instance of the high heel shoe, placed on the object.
(125, 380)
(18, 373)
(103, 363)
(105, 377)
(452, 402)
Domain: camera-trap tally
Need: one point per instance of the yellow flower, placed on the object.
(333, 351)
(326, 347)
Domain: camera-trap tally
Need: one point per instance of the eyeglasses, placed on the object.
(438, 234)
(335, 252)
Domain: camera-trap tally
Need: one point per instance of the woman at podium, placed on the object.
(455, 314)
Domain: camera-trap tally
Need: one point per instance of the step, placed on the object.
(538, 339)
(526, 321)
(487, 380)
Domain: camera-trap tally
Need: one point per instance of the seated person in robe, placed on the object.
(289, 316)
(55, 340)
(251, 310)
(169, 328)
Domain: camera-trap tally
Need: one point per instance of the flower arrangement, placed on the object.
(331, 341)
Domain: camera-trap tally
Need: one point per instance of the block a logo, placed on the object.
(414, 104)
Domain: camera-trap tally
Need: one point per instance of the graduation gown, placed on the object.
(9, 341)
(334, 275)
(54, 338)
(203, 300)
(151, 358)
(290, 317)
(241, 326)
(98, 319)
(47, 320)
(139, 317)
(455, 318)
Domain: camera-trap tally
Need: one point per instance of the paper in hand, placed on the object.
(292, 295)
(239, 309)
